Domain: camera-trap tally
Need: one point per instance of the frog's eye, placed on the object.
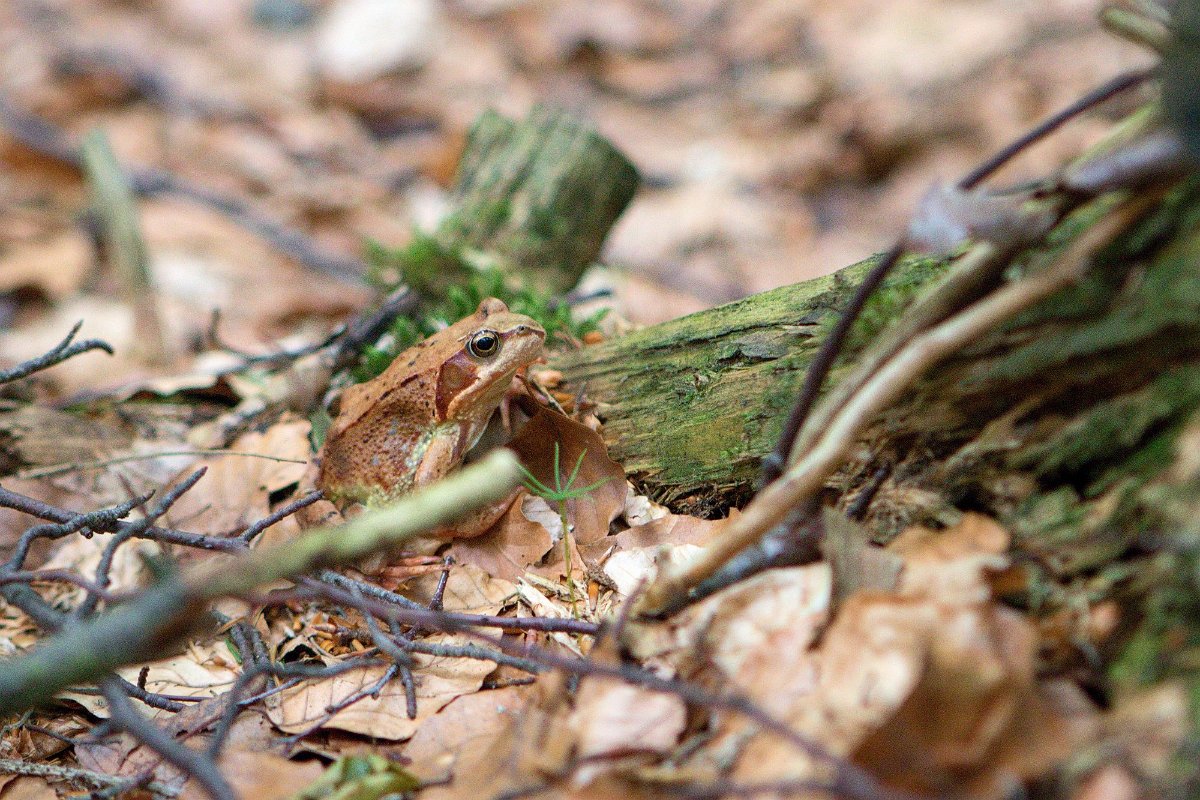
(483, 344)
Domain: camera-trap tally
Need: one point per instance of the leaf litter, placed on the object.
(899, 660)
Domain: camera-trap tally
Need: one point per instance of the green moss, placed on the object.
(451, 287)
(1125, 313)
(1124, 429)
(889, 301)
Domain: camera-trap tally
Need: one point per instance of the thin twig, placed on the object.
(58, 354)
(852, 781)
(1100, 94)
(104, 566)
(58, 772)
(137, 630)
(191, 762)
(670, 591)
(252, 532)
(61, 469)
(418, 615)
(42, 510)
(822, 362)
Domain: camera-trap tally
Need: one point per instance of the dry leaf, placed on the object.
(26, 788)
(514, 543)
(617, 719)
(640, 509)
(258, 775)
(591, 514)
(235, 492)
(933, 686)
(454, 741)
(857, 564)
(469, 590)
(438, 681)
(201, 670)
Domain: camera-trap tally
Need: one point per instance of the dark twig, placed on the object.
(818, 368)
(406, 676)
(439, 593)
(36, 508)
(862, 501)
(822, 362)
(278, 357)
(420, 616)
(366, 328)
(1100, 94)
(722, 787)
(104, 566)
(58, 354)
(402, 661)
(191, 762)
(849, 779)
(252, 532)
(101, 519)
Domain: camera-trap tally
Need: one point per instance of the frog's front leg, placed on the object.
(433, 467)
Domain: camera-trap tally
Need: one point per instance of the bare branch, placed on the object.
(58, 354)
(192, 762)
(140, 629)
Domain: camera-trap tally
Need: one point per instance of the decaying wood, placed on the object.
(692, 405)
(1074, 423)
(536, 197)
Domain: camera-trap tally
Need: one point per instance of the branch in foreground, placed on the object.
(670, 591)
(164, 613)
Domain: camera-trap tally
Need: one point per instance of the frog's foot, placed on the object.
(322, 512)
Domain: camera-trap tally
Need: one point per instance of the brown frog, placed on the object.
(416, 421)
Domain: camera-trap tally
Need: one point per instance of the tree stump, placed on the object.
(536, 198)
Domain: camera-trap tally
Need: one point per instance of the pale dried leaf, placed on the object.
(27, 788)
(640, 509)
(951, 565)
(454, 740)
(616, 719)
(202, 670)
(235, 492)
(262, 776)
(631, 568)
(469, 590)
(438, 681)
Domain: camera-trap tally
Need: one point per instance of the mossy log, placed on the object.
(691, 406)
(1075, 424)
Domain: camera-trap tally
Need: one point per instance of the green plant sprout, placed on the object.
(560, 494)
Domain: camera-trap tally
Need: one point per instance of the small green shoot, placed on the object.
(559, 495)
